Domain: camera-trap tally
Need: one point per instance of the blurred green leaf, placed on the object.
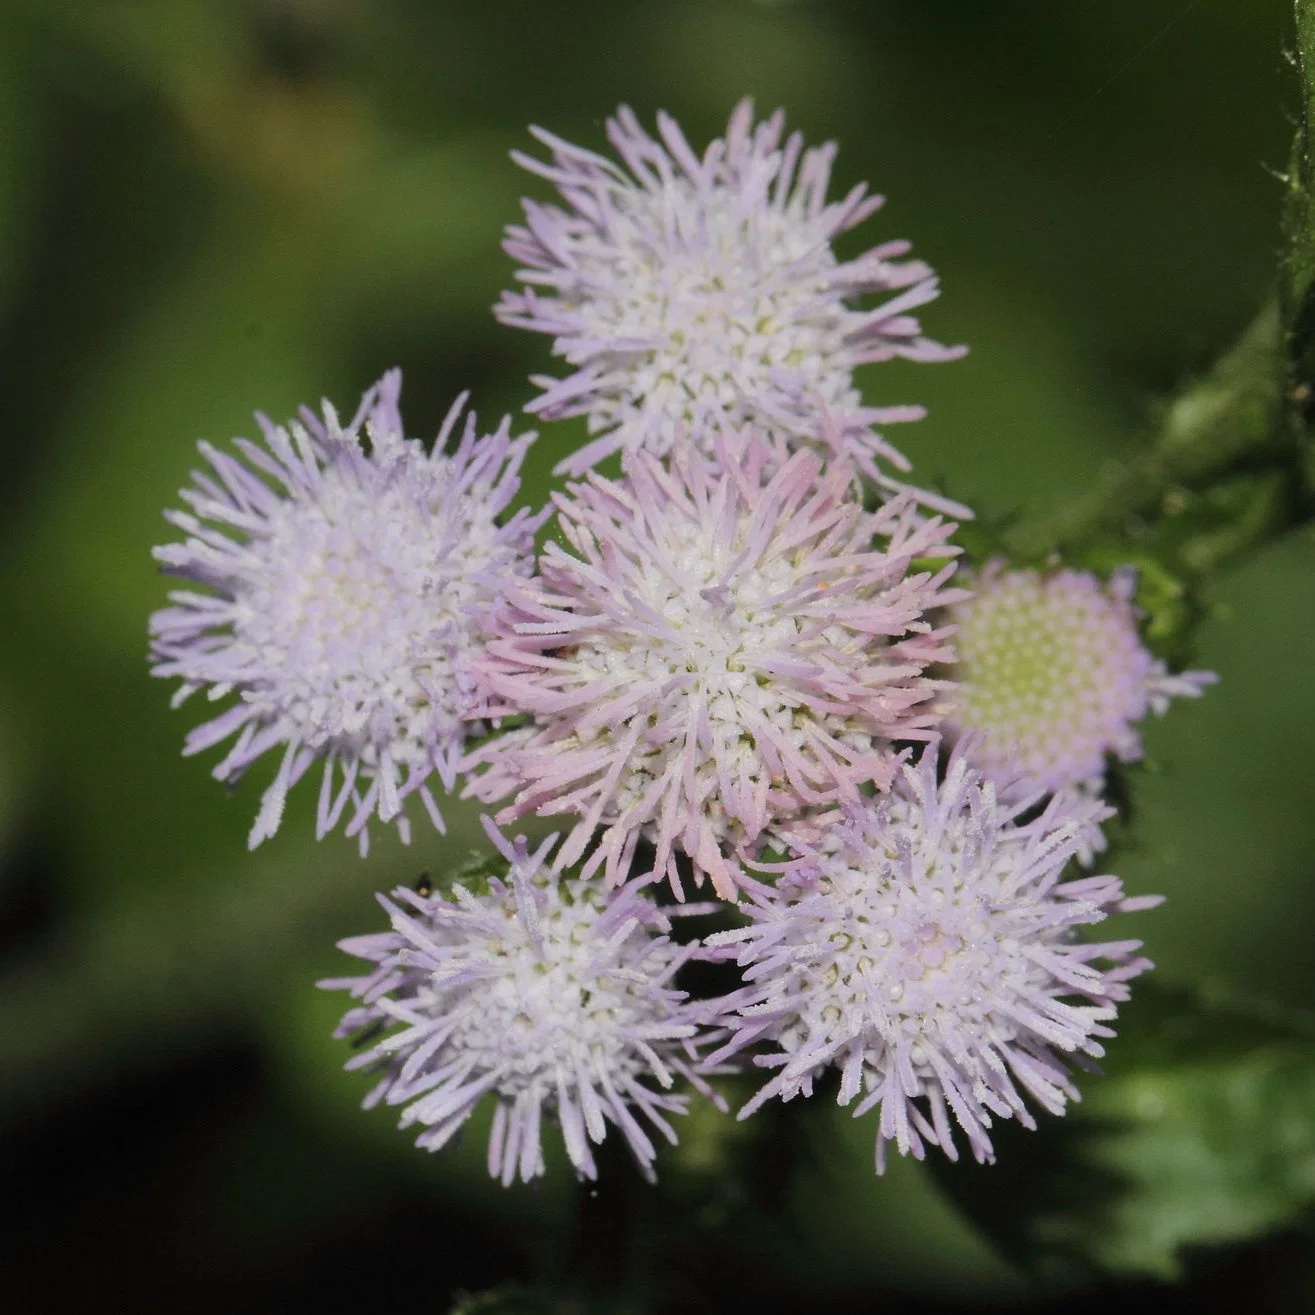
(1202, 1132)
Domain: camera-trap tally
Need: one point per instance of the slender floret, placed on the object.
(1053, 676)
(924, 947)
(690, 293)
(343, 575)
(546, 993)
(710, 652)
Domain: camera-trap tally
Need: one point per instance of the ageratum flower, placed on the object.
(546, 994)
(342, 575)
(692, 293)
(1053, 676)
(715, 651)
(925, 948)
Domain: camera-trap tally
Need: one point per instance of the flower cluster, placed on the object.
(717, 667)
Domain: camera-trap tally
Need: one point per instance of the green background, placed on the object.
(212, 208)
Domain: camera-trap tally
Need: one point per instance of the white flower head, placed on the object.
(925, 947)
(719, 650)
(544, 993)
(343, 575)
(689, 293)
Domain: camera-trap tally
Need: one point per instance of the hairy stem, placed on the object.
(1230, 415)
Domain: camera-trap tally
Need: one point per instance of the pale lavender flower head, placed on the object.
(719, 648)
(689, 292)
(926, 948)
(1053, 676)
(343, 572)
(544, 993)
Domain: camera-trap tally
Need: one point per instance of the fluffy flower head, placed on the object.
(681, 288)
(542, 992)
(342, 575)
(1053, 676)
(925, 948)
(719, 650)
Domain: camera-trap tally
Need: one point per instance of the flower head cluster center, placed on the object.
(921, 958)
(548, 1005)
(349, 600)
(719, 309)
(719, 622)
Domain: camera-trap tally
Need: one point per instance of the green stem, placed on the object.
(1298, 266)
(1250, 416)
(1232, 413)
